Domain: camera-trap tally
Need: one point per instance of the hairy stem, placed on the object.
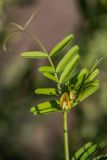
(66, 148)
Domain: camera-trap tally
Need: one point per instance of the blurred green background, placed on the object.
(23, 136)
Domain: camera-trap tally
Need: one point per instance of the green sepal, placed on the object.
(46, 107)
(47, 69)
(69, 68)
(46, 91)
(34, 55)
(65, 60)
(50, 76)
(61, 45)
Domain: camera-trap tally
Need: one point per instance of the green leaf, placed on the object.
(34, 54)
(93, 74)
(87, 151)
(50, 76)
(64, 61)
(46, 107)
(88, 90)
(69, 68)
(83, 73)
(61, 44)
(46, 91)
(92, 150)
(81, 151)
(48, 69)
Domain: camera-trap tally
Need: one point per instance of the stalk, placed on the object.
(33, 37)
(66, 148)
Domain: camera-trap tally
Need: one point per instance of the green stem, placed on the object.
(58, 84)
(66, 148)
(44, 49)
(49, 58)
(33, 37)
(36, 40)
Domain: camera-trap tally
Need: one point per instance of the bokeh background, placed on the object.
(23, 136)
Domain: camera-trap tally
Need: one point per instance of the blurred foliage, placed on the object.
(88, 151)
(88, 123)
(93, 44)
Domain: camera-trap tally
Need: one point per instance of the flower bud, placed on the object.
(73, 95)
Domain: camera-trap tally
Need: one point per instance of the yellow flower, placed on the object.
(65, 103)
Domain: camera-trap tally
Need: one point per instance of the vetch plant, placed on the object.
(72, 86)
(70, 89)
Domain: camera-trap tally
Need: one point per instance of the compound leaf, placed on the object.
(46, 91)
(87, 151)
(46, 107)
(64, 61)
(34, 54)
(81, 151)
(92, 150)
(61, 44)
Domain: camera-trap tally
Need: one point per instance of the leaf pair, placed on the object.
(67, 63)
(54, 51)
(46, 107)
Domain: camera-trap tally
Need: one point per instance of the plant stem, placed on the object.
(36, 40)
(58, 84)
(66, 148)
